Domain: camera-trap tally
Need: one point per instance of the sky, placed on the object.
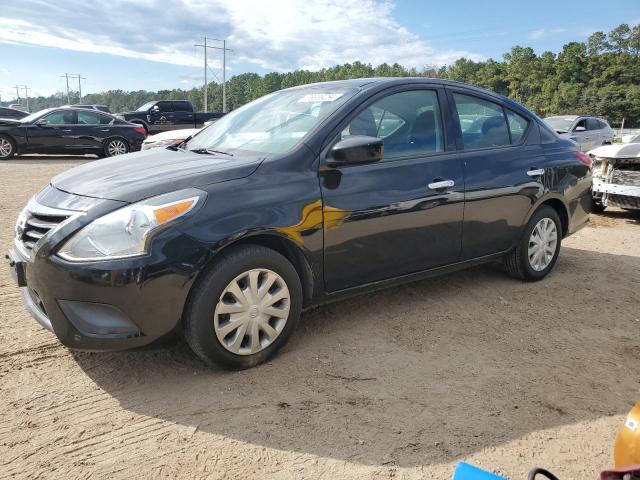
(149, 44)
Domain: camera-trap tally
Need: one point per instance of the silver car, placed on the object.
(588, 132)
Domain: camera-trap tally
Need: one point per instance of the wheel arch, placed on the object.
(279, 243)
(558, 204)
(13, 140)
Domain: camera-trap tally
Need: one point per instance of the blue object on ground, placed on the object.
(464, 471)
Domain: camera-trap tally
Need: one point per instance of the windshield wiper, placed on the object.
(211, 151)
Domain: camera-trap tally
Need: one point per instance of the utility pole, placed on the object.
(17, 93)
(26, 94)
(224, 70)
(80, 77)
(66, 75)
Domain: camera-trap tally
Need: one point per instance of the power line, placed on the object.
(224, 70)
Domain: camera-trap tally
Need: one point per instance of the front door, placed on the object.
(404, 213)
(54, 133)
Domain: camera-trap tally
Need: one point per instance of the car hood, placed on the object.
(624, 150)
(172, 135)
(140, 175)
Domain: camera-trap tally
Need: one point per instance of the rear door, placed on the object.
(183, 115)
(596, 133)
(583, 137)
(93, 128)
(501, 171)
(404, 213)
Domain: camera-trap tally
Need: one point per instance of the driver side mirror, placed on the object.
(579, 129)
(42, 122)
(356, 149)
(155, 109)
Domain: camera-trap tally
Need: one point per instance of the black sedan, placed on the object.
(69, 131)
(6, 112)
(299, 198)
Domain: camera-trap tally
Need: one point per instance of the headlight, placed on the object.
(125, 232)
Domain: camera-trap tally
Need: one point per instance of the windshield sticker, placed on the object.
(320, 97)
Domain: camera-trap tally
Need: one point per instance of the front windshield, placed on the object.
(145, 107)
(274, 123)
(35, 116)
(560, 124)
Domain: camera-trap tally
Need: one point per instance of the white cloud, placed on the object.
(281, 35)
(535, 34)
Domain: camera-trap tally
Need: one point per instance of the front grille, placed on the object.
(35, 221)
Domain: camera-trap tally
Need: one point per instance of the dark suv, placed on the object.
(300, 197)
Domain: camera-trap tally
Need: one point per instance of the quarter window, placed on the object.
(517, 125)
(482, 122)
(408, 122)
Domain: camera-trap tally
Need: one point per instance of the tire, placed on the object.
(7, 147)
(115, 146)
(206, 318)
(518, 263)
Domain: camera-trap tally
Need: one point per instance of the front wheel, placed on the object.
(7, 148)
(244, 308)
(116, 146)
(537, 252)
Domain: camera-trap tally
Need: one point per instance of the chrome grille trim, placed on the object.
(36, 222)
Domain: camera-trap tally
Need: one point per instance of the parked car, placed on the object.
(588, 132)
(171, 137)
(616, 175)
(101, 108)
(12, 113)
(159, 116)
(293, 200)
(67, 130)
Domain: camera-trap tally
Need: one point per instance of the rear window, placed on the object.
(482, 122)
(517, 125)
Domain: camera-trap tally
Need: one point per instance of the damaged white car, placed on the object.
(616, 175)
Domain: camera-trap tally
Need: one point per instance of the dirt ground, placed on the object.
(402, 384)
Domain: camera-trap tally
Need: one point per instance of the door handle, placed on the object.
(441, 184)
(105, 129)
(536, 172)
(67, 130)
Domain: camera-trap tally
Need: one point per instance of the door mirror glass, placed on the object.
(356, 149)
(580, 128)
(42, 122)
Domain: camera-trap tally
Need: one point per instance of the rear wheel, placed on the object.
(244, 308)
(115, 146)
(7, 147)
(537, 252)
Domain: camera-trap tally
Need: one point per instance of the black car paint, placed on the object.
(69, 139)
(157, 120)
(12, 113)
(335, 224)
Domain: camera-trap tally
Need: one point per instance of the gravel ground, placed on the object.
(403, 383)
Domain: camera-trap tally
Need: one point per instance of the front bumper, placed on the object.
(111, 305)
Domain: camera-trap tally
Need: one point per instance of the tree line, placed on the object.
(598, 77)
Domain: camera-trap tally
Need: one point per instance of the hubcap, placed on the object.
(116, 147)
(542, 244)
(5, 147)
(252, 311)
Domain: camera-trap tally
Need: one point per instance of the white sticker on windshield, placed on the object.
(320, 97)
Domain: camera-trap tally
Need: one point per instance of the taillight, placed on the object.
(141, 131)
(584, 158)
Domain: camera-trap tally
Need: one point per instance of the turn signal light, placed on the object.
(169, 212)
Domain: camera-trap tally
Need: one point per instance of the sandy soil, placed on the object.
(399, 384)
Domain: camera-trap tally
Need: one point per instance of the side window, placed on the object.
(165, 107)
(61, 117)
(517, 125)
(482, 122)
(602, 124)
(92, 118)
(593, 124)
(408, 122)
(582, 123)
(182, 107)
